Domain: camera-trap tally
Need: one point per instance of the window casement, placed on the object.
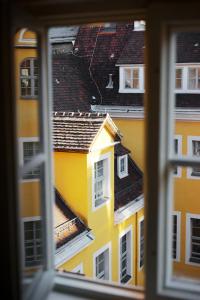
(178, 152)
(193, 239)
(29, 81)
(29, 147)
(131, 79)
(122, 166)
(187, 78)
(102, 263)
(194, 150)
(125, 256)
(176, 216)
(141, 244)
(101, 181)
(32, 242)
(108, 28)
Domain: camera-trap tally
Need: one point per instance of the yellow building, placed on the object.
(103, 186)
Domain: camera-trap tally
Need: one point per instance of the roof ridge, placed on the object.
(79, 114)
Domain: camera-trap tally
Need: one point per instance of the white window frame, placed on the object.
(78, 269)
(32, 77)
(178, 235)
(190, 139)
(108, 248)
(179, 153)
(119, 159)
(107, 188)
(128, 231)
(189, 238)
(122, 88)
(139, 242)
(22, 140)
(24, 220)
(185, 78)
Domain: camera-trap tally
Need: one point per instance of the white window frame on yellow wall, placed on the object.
(139, 243)
(189, 238)
(129, 253)
(178, 235)
(190, 152)
(24, 220)
(23, 140)
(106, 158)
(108, 262)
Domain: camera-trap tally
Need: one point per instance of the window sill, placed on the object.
(71, 286)
(131, 91)
(102, 202)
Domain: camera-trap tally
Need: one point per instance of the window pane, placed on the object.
(93, 183)
(31, 169)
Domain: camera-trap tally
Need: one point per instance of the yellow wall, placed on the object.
(133, 138)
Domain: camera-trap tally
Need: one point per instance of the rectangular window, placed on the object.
(179, 79)
(32, 242)
(194, 150)
(131, 79)
(101, 180)
(193, 239)
(122, 166)
(30, 149)
(141, 243)
(126, 256)
(102, 263)
(176, 236)
(193, 78)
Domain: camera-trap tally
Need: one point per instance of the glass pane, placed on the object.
(30, 174)
(186, 225)
(87, 85)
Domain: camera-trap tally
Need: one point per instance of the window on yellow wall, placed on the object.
(29, 78)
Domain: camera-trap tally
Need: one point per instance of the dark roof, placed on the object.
(188, 47)
(130, 187)
(75, 132)
(133, 52)
(72, 86)
(121, 150)
(67, 225)
(83, 76)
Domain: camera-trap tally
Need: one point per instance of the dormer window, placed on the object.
(109, 27)
(122, 166)
(187, 79)
(131, 79)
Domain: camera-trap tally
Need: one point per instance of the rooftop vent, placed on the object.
(110, 83)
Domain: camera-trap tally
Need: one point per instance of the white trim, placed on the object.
(24, 220)
(188, 238)
(130, 254)
(178, 137)
(190, 154)
(97, 253)
(72, 248)
(185, 68)
(178, 235)
(122, 88)
(21, 140)
(23, 40)
(119, 159)
(138, 264)
(107, 158)
(78, 269)
(128, 210)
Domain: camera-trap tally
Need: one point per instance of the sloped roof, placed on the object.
(75, 132)
(188, 47)
(66, 224)
(130, 187)
(133, 51)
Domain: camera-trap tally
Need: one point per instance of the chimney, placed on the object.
(110, 83)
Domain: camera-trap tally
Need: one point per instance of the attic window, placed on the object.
(122, 166)
(131, 79)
